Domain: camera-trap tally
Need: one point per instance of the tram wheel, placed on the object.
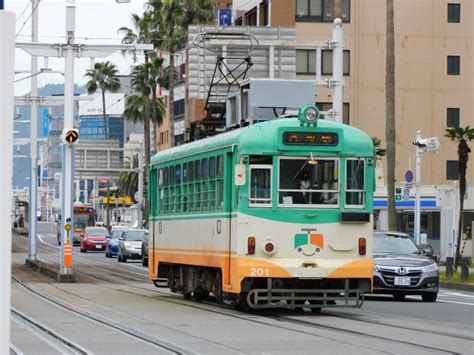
(187, 295)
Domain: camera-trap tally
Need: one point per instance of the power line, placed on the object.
(26, 21)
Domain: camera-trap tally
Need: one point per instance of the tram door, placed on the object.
(229, 206)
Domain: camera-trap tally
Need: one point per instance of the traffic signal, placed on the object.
(70, 135)
(398, 194)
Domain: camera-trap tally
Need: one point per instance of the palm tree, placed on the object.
(102, 78)
(128, 180)
(390, 131)
(145, 106)
(172, 18)
(461, 136)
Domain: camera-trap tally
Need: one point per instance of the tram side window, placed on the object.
(204, 184)
(304, 183)
(177, 188)
(212, 183)
(160, 191)
(190, 196)
(260, 194)
(220, 182)
(197, 185)
(355, 173)
(166, 206)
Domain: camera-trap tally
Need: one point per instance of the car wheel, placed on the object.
(429, 297)
(145, 261)
(399, 296)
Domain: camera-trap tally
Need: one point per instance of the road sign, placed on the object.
(225, 17)
(67, 227)
(70, 135)
(409, 176)
(406, 194)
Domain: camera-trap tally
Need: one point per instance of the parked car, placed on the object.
(130, 245)
(145, 249)
(111, 248)
(401, 268)
(94, 238)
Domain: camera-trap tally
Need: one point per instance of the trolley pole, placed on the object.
(7, 60)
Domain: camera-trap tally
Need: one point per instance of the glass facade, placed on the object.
(96, 128)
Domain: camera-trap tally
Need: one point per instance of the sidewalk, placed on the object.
(457, 285)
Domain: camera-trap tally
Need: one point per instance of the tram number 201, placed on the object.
(259, 271)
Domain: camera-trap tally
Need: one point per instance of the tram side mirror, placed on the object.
(240, 175)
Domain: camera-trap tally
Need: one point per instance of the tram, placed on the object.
(275, 214)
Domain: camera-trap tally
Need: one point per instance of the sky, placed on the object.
(97, 22)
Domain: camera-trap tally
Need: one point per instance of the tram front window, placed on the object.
(304, 183)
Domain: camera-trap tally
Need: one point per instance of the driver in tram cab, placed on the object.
(303, 197)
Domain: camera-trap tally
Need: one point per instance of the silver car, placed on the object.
(130, 245)
(401, 268)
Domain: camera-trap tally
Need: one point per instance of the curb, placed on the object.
(50, 270)
(459, 286)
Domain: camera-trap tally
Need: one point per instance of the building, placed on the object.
(434, 89)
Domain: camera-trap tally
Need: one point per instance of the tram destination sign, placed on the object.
(310, 138)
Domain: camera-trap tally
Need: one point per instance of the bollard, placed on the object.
(449, 268)
(464, 269)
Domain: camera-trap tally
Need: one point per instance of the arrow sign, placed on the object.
(71, 136)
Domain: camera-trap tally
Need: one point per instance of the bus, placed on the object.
(84, 216)
(275, 214)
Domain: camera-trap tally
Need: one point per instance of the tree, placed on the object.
(461, 136)
(128, 180)
(102, 78)
(172, 18)
(390, 126)
(145, 106)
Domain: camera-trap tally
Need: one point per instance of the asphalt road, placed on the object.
(121, 293)
(451, 307)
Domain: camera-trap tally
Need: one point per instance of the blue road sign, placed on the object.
(225, 17)
(409, 176)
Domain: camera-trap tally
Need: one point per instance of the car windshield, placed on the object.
(117, 233)
(135, 236)
(97, 232)
(394, 244)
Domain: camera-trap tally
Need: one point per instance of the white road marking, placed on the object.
(463, 303)
(457, 294)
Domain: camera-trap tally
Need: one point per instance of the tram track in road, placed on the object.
(263, 317)
(134, 333)
(51, 337)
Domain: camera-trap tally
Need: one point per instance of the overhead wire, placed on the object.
(29, 16)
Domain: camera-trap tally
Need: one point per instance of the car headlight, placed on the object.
(376, 267)
(430, 268)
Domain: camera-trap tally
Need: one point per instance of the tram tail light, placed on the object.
(362, 246)
(251, 245)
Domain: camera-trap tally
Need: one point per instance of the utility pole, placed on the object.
(7, 60)
(417, 190)
(33, 137)
(337, 70)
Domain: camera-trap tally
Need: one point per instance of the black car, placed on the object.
(401, 268)
(145, 250)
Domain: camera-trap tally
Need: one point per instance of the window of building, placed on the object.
(451, 170)
(322, 10)
(251, 17)
(326, 106)
(452, 117)
(326, 62)
(264, 13)
(301, 184)
(179, 109)
(355, 176)
(454, 65)
(305, 61)
(454, 13)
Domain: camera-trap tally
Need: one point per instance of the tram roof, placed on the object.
(262, 138)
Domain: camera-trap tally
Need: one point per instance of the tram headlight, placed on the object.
(311, 114)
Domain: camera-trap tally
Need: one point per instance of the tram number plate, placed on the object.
(402, 281)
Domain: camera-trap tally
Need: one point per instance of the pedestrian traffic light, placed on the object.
(398, 194)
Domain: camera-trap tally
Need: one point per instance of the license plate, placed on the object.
(401, 281)
(98, 246)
